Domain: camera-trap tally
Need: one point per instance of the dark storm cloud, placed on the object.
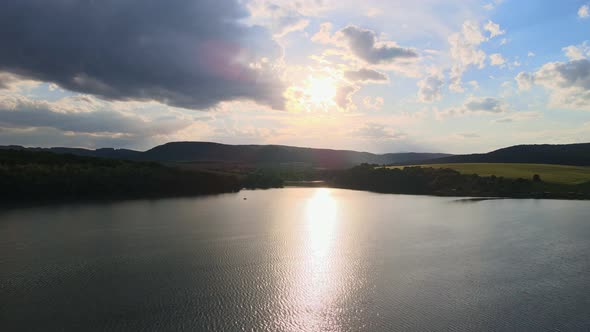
(187, 53)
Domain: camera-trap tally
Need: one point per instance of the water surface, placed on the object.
(297, 259)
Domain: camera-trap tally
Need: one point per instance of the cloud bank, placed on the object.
(185, 53)
(79, 115)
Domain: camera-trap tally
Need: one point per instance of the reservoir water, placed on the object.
(297, 259)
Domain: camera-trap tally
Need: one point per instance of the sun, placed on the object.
(317, 92)
(321, 90)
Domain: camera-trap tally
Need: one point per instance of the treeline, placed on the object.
(448, 182)
(27, 175)
(262, 179)
(275, 176)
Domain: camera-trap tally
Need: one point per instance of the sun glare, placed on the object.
(321, 213)
(320, 92)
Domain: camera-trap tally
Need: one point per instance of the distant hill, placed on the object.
(560, 154)
(102, 153)
(565, 154)
(249, 154)
(272, 154)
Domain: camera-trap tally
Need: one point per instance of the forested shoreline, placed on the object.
(28, 176)
(448, 182)
(45, 176)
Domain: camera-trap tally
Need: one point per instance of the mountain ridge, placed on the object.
(576, 154)
(188, 151)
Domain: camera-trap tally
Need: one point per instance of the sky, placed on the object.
(455, 76)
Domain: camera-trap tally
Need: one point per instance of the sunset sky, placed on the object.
(451, 76)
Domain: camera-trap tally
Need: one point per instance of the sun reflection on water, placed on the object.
(317, 287)
(321, 215)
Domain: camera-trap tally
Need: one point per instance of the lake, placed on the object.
(297, 259)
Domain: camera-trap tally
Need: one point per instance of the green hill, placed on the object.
(559, 154)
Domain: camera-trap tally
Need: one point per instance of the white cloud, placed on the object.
(524, 80)
(430, 88)
(245, 132)
(577, 52)
(376, 131)
(507, 89)
(280, 18)
(530, 54)
(520, 116)
(497, 59)
(484, 104)
(476, 105)
(465, 52)
(358, 47)
(261, 10)
(15, 83)
(373, 103)
(468, 135)
(584, 11)
(494, 29)
(324, 35)
(373, 12)
(344, 95)
(363, 43)
(493, 4)
(567, 82)
(472, 33)
(84, 114)
(365, 75)
(288, 24)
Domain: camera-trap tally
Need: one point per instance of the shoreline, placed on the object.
(15, 204)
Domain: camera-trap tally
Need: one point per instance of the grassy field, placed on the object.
(549, 173)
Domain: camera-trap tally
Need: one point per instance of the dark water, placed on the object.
(297, 259)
